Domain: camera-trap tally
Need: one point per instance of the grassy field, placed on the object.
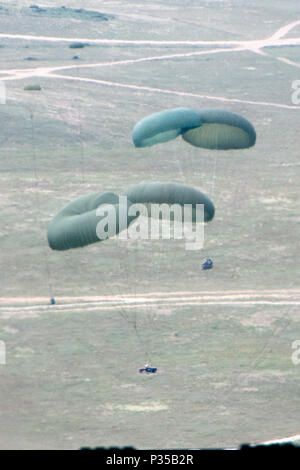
(225, 372)
(223, 377)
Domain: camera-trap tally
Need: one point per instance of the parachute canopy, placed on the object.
(221, 130)
(164, 126)
(170, 193)
(76, 224)
(208, 128)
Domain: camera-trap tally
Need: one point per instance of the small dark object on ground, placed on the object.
(34, 87)
(147, 369)
(52, 301)
(208, 264)
(77, 45)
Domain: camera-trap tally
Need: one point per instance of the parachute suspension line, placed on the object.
(157, 267)
(213, 185)
(144, 340)
(33, 149)
(122, 310)
(141, 318)
(38, 222)
(181, 170)
(214, 177)
(133, 322)
(149, 319)
(129, 315)
(151, 316)
(143, 344)
(80, 134)
(143, 321)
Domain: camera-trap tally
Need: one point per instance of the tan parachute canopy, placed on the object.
(221, 130)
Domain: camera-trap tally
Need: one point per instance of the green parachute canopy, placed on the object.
(76, 225)
(170, 193)
(221, 130)
(164, 126)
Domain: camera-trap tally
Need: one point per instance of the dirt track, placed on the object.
(256, 46)
(27, 306)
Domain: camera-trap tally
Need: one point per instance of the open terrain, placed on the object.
(221, 339)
